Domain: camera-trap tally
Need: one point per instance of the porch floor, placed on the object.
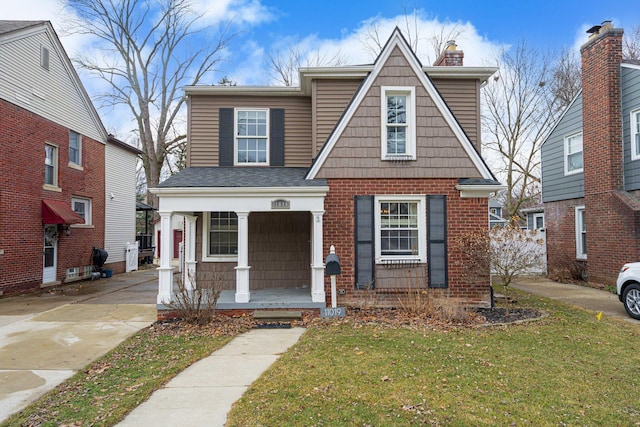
(270, 298)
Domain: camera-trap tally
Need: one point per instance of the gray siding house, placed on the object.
(591, 166)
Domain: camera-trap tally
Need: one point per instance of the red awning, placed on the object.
(55, 212)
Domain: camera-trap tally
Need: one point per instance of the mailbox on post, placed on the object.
(332, 265)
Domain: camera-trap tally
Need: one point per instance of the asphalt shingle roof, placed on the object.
(9, 26)
(241, 177)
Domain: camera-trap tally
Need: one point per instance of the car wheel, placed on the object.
(631, 300)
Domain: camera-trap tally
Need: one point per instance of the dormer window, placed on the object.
(398, 123)
(251, 137)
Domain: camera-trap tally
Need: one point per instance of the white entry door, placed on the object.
(50, 257)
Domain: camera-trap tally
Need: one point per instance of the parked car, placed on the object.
(628, 288)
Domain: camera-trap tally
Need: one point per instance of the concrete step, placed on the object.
(277, 315)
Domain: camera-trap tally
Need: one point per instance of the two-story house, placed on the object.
(591, 165)
(382, 161)
(53, 194)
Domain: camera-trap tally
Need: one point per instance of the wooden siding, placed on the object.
(331, 98)
(555, 185)
(204, 126)
(463, 99)
(630, 80)
(53, 94)
(120, 212)
(357, 153)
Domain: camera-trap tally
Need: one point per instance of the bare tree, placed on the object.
(567, 76)
(631, 44)
(520, 108)
(145, 60)
(285, 63)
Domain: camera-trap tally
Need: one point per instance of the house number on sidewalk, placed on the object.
(280, 204)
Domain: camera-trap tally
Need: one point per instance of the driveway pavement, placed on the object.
(45, 338)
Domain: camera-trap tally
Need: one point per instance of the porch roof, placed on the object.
(241, 177)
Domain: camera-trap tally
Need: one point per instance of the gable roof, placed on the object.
(11, 31)
(398, 40)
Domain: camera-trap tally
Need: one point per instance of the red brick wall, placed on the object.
(609, 242)
(463, 215)
(561, 235)
(22, 138)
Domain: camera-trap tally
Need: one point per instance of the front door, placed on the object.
(50, 253)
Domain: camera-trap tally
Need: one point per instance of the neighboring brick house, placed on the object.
(52, 163)
(382, 161)
(591, 165)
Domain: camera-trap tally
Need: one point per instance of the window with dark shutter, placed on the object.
(276, 137)
(437, 241)
(225, 137)
(364, 237)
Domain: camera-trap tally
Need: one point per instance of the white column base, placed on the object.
(165, 285)
(317, 284)
(242, 284)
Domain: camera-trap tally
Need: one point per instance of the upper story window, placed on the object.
(75, 148)
(573, 162)
(44, 58)
(82, 207)
(50, 165)
(251, 137)
(635, 135)
(398, 123)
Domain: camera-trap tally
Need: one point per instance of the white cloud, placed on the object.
(239, 12)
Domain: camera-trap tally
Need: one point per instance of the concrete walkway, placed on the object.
(202, 394)
(596, 300)
(46, 337)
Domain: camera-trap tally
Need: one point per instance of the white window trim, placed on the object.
(566, 155)
(422, 227)
(205, 244)
(88, 212)
(56, 171)
(73, 164)
(535, 217)
(578, 224)
(410, 92)
(633, 125)
(235, 137)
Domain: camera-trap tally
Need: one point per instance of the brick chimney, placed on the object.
(450, 56)
(601, 109)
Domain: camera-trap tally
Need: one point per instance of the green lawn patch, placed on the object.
(567, 369)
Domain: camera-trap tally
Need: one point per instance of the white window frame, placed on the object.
(77, 164)
(634, 132)
(45, 55)
(421, 256)
(54, 160)
(535, 218)
(566, 154)
(236, 137)
(87, 211)
(410, 93)
(579, 221)
(206, 257)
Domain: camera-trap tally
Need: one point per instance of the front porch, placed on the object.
(279, 298)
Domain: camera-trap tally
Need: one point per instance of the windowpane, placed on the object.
(396, 140)
(50, 165)
(399, 228)
(74, 147)
(573, 152)
(252, 136)
(79, 208)
(397, 109)
(223, 233)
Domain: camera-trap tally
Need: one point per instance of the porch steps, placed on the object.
(277, 315)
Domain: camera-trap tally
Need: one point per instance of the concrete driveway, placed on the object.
(45, 338)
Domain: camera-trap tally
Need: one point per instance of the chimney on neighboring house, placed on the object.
(601, 109)
(450, 56)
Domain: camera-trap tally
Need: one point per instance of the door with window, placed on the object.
(50, 253)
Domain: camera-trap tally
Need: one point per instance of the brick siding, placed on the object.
(23, 135)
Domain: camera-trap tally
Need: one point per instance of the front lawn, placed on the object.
(567, 369)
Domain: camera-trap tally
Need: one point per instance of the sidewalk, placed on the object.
(596, 300)
(202, 394)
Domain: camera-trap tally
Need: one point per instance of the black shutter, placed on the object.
(437, 241)
(365, 247)
(225, 137)
(276, 137)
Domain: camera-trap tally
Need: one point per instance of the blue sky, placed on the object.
(329, 26)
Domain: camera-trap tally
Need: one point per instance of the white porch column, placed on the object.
(242, 269)
(317, 261)
(189, 274)
(165, 271)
